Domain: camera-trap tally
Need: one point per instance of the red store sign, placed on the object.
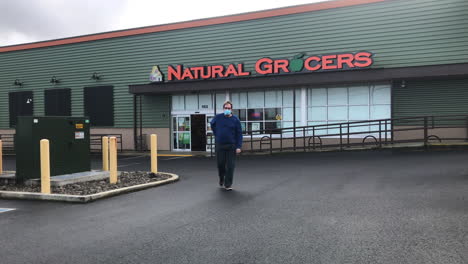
(268, 66)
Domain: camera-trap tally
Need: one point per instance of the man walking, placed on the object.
(228, 135)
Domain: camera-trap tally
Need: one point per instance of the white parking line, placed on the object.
(174, 158)
(130, 164)
(135, 157)
(3, 210)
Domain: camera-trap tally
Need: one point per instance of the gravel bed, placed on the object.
(126, 179)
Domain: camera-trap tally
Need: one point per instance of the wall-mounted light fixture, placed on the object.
(54, 80)
(18, 83)
(95, 76)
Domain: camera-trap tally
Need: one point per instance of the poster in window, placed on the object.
(255, 114)
(186, 140)
(208, 125)
(181, 124)
(256, 127)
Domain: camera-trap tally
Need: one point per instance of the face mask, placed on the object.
(227, 112)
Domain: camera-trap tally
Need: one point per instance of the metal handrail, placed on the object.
(382, 130)
(8, 142)
(96, 140)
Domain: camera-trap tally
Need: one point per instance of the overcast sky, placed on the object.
(25, 21)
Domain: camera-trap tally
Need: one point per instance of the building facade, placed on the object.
(331, 62)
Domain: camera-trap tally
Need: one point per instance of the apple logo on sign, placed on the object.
(297, 63)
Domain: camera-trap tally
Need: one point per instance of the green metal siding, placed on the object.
(430, 97)
(157, 108)
(400, 33)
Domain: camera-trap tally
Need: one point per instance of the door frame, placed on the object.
(208, 114)
(175, 133)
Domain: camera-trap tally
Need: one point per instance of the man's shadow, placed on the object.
(233, 197)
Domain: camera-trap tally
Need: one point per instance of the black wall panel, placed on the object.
(99, 105)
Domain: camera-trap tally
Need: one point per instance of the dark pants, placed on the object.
(226, 159)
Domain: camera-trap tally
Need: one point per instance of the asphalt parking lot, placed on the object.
(349, 207)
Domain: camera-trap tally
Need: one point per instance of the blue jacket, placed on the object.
(227, 130)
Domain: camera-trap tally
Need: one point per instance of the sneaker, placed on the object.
(228, 188)
(221, 184)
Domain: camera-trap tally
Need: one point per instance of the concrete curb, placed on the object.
(84, 198)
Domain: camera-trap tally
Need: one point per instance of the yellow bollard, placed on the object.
(45, 167)
(105, 153)
(113, 160)
(154, 153)
(1, 157)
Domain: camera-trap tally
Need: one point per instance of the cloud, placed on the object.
(140, 13)
(29, 21)
(24, 21)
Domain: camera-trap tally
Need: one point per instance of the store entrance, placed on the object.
(198, 132)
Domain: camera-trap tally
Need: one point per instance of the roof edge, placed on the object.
(193, 23)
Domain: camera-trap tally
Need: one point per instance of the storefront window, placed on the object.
(288, 114)
(318, 130)
(178, 102)
(338, 113)
(256, 99)
(273, 114)
(268, 111)
(337, 96)
(380, 94)
(359, 112)
(239, 100)
(347, 104)
(196, 102)
(204, 101)
(191, 102)
(359, 95)
(220, 99)
(290, 132)
(318, 113)
(317, 97)
(273, 98)
(288, 99)
(380, 112)
(265, 110)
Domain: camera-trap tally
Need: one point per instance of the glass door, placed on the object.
(210, 140)
(181, 132)
(198, 132)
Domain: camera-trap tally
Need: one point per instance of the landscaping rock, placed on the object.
(126, 179)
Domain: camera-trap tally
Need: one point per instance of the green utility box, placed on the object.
(68, 143)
